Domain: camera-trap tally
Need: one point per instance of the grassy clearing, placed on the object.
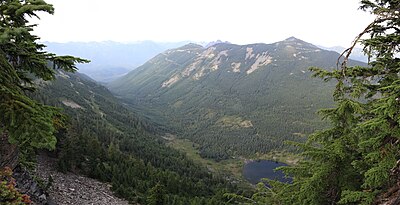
(284, 157)
(231, 169)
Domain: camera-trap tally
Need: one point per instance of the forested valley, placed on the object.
(105, 140)
(222, 102)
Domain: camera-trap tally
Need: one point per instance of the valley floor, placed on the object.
(69, 188)
(231, 169)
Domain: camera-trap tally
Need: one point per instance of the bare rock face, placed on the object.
(8, 152)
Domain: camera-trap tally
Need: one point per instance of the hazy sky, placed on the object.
(321, 22)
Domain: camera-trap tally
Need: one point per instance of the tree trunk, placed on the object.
(8, 152)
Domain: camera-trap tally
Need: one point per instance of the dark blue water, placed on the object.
(256, 170)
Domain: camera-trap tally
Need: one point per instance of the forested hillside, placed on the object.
(104, 140)
(232, 99)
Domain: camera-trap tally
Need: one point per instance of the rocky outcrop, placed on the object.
(65, 189)
(24, 180)
(69, 188)
(26, 184)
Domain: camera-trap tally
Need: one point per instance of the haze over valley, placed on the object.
(110, 60)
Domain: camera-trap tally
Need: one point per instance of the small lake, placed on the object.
(254, 171)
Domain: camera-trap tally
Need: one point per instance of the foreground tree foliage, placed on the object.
(8, 193)
(28, 123)
(355, 161)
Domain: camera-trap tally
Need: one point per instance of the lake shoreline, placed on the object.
(255, 170)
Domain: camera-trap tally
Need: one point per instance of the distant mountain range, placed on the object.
(356, 54)
(233, 99)
(110, 60)
(213, 43)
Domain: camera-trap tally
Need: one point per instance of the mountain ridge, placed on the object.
(233, 99)
(223, 48)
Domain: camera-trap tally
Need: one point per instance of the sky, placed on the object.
(321, 22)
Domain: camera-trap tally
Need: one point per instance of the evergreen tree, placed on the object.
(156, 195)
(23, 63)
(357, 159)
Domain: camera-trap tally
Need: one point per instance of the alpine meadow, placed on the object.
(131, 102)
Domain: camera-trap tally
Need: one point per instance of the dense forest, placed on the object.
(104, 140)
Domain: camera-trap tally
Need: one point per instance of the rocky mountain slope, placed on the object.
(233, 99)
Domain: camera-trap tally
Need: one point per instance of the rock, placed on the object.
(70, 188)
(27, 185)
(42, 197)
(50, 201)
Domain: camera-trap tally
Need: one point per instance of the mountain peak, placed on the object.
(190, 46)
(212, 43)
(292, 38)
(293, 41)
